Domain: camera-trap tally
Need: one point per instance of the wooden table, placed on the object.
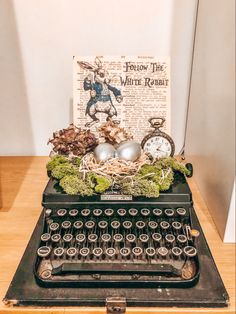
(22, 182)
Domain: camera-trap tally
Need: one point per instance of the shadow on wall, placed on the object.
(16, 130)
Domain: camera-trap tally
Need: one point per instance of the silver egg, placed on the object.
(104, 152)
(129, 150)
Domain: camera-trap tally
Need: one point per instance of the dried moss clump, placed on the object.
(99, 183)
(139, 187)
(173, 164)
(56, 161)
(62, 170)
(72, 184)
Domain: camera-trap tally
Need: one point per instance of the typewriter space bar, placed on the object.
(122, 268)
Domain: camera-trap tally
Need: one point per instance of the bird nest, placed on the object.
(114, 167)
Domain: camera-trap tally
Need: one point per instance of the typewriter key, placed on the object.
(181, 211)
(48, 212)
(97, 212)
(110, 251)
(157, 212)
(80, 237)
(133, 212)
(150, 251)
(176, 251)
(145, 212)
(66, 224)
(127, 224)
(152, 224)
(58, 251)
(102, 224)
(118, 237)
(78, 224)
(169, 212)
(92, 237)
(90, 224)
(144, 238)
(44, 251)
(156, 237)
(54, 226)
(137, 251)
(115, 224)
(124, 251)
(190, 251)
(170, 238)
(73, 212)
(84, 251)
(182, 238)
(109, 212)
(176, 225)
(164, 225)
(97, 251)
(67, 237)
(45, 237)
(71, 251)
(130, 237)
(61, 212)
(106, 237)
(85, 212)
(162, 251)
(56, 237)
(140, 224)
(121, 212)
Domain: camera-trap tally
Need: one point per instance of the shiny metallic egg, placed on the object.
(129, 150)
(104, 152)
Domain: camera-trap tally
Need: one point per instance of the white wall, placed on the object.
(39, 38)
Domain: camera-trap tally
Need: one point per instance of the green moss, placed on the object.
(77, 161)
(72, 184)
(64, 169)
(99, 183)
(140, 187)
(56, 161)
(172, 163)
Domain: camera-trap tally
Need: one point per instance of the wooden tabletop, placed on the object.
(22, 182)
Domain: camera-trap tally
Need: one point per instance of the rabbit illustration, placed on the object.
(100, 92)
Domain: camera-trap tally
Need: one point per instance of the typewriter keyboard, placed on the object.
(117, 244)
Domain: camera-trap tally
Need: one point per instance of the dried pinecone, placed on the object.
(113, 133)
(73, 140)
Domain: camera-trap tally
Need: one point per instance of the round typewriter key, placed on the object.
(115, 224)
(156, 237)
(44, 251)
(56, 237)
(162, 251)
(61, 212)
(124, 251)
(102, 224)
(130, 237)
(176, 225)
(127, 224)
(58, 251)
(84, 251)
(71, 251)
(190, 251)
(67, 237)
(97, 212)
(133, 212)
(109, 212)
(169, 212)
(45, 237)
(66, 224)
(182, 238)
(140, 224)
(145, 212)
(157, 212)
(118, 237)
(90, 224)
(137, 251)
(150, 251)
(164, 225)
(80, 237)
(152, 224)
(121, 212)
(73, 212)
(106, 237)
(170, 238)
(110, 251)
(78, 224)
(176, 251)
(181, 211)
(97, 251)
(92, 237)
(144, 237)
(85, 212)
(48, 212)
(54, 226)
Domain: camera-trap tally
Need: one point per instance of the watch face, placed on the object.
(159, 146)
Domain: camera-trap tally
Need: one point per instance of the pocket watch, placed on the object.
(158, 143)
